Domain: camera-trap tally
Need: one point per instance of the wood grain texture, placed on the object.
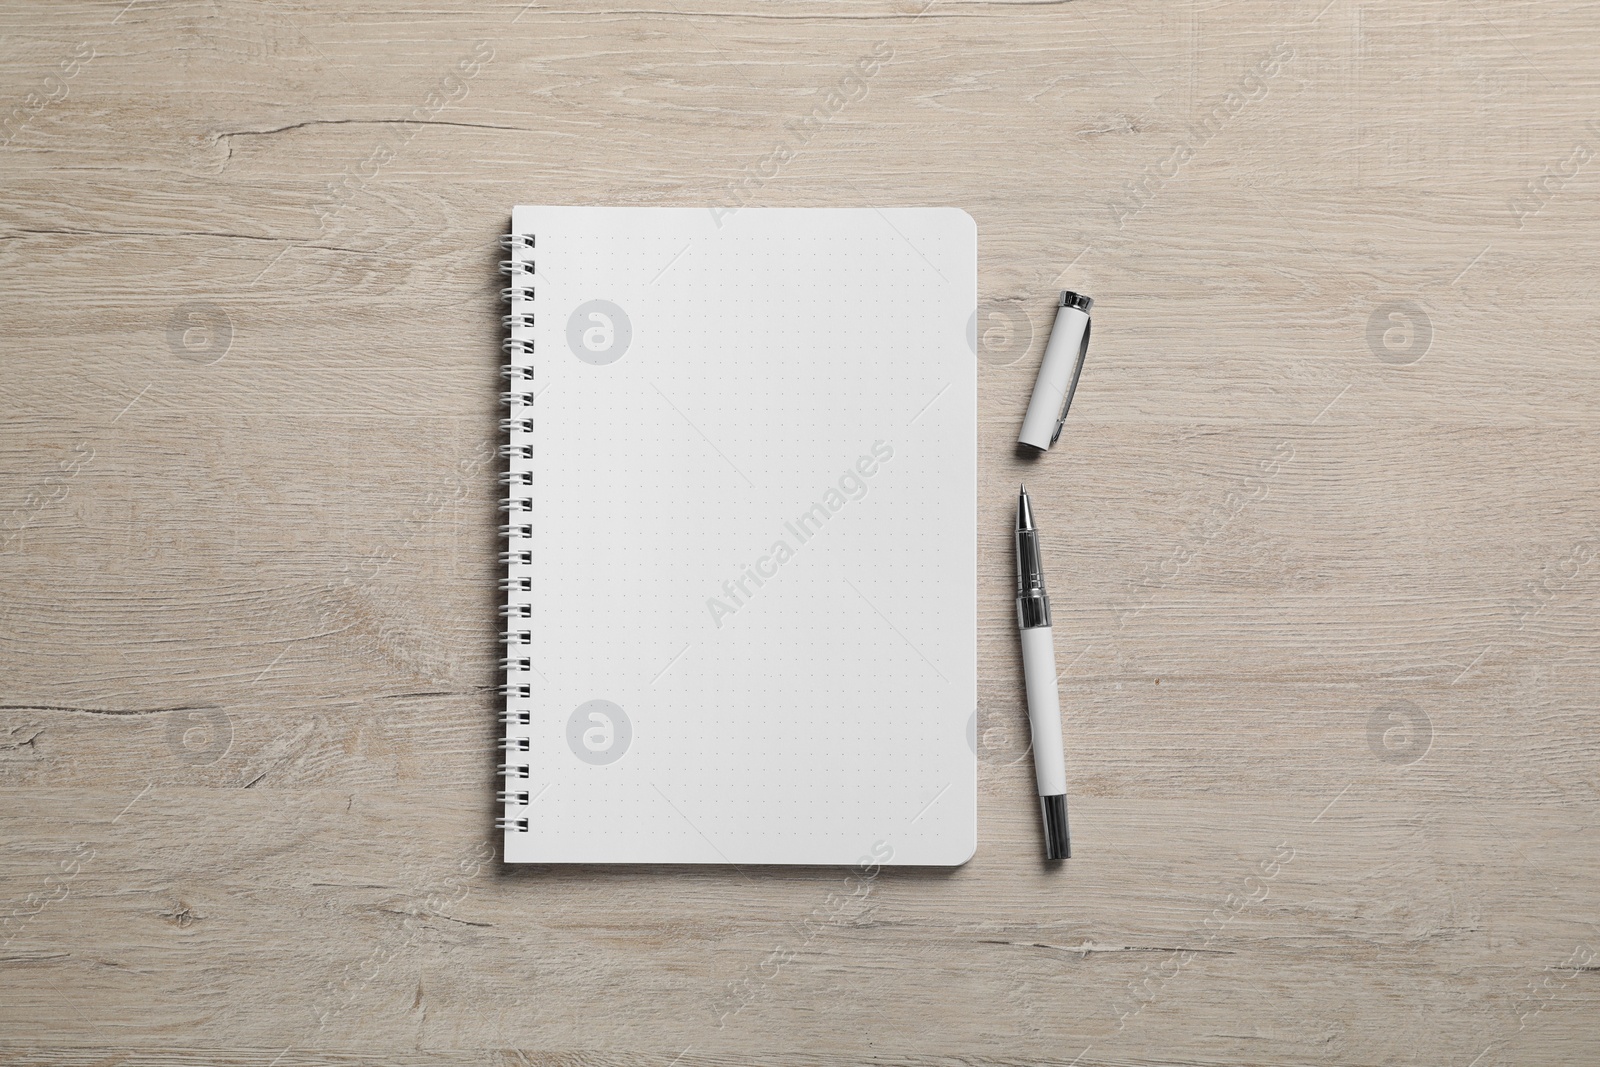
(1323, 532)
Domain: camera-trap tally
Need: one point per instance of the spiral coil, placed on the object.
(517, 400)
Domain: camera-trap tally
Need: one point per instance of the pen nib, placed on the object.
(1024, 509)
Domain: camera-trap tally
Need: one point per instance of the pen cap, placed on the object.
(1058, 372)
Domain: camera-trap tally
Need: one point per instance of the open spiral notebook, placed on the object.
(741, 552)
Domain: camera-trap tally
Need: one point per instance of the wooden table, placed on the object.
(1324, 532)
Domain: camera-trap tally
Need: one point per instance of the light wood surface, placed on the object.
(1324, 588)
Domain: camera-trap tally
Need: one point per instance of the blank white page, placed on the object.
(743, 557)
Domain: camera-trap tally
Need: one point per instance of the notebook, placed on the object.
(741, 542)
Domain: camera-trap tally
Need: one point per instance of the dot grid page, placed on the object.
(749, 612)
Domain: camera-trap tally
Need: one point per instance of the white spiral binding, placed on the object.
(517, 504)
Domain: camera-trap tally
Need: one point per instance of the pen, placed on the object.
(1039, 671)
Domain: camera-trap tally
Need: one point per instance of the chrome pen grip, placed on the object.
(1033, 603)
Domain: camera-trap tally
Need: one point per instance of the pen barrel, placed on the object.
(1044, 709)
(1058, 378)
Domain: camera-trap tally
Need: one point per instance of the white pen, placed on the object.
(1039, 671)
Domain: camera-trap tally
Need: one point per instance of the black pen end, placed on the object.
(1057, 837)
